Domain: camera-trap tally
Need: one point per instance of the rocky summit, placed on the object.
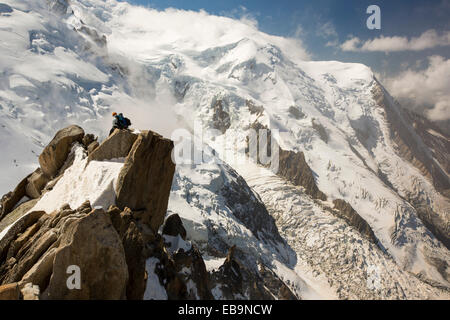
(108, 246)
(95, 252)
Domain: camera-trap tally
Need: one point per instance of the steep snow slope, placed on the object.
(327, 247)
(219, 210)
(76, 63)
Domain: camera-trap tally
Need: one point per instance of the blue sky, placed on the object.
(323, 22)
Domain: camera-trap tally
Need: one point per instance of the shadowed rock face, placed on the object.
(296, 112)
(221, 118)
(292, 166)
(236, 281)
(410, 145)
(10, 199)
(174, 226)
(249, 209)
(434, 223)
(4, 8)
(146, 178)
(133, 239)
(426, 147)
(346, 212)
(175, 270)
(436, 140)
(58, 6)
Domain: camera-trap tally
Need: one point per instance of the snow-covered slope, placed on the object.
(75, 63)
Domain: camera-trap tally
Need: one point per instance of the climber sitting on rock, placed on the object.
(119, 122)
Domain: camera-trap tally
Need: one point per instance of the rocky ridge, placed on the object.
(113, 247)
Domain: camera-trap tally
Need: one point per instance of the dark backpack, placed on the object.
(124, 122)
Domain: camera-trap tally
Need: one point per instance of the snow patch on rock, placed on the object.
(154, 290)
(94, 181)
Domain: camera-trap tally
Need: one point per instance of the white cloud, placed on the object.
(246, 17)
(327, 30)
(421, 88)
(143, 31)
(332, 43)
(351, 44)
(428, 39)
(299, 32)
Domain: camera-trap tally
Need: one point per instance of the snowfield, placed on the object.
(67, 64)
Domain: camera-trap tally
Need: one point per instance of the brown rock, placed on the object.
(133, 240)
(134, 245)
(55, 154)
(117, 145)
(231, 273)
(176, 289)
(294, 168)
(88, 139)
(30, 256)
(174, 226)
(10, 291)
(296, 112)
(109, 248)
(21, 240)
(10, 199)
(17, 213)
(221, 118)
(92, 244)
(236, 280)
(40, 273)
(18, 227)
(146, 178)
(114, 215)
(274, 284)
(36, 182)
(198, 274)
(346, 212)
(30, 292)
(320, 130)
(292, 165)
(435, 223)
(92, 147)
(65, 238)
